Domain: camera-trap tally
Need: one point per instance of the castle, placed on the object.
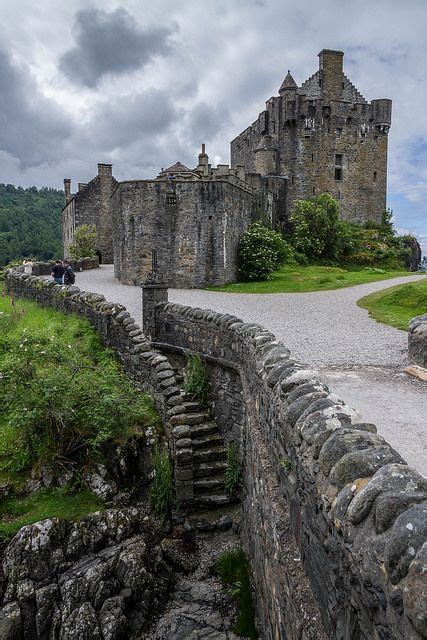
(320, 137)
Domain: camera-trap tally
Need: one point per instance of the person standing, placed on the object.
(69, 275)
(58, 272)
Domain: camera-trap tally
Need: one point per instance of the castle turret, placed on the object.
(67, 189)
(381, 111)
(331, 74)
(288, 85)
(266, 157)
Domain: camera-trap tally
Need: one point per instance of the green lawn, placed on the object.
(16, 512)
(297, 279)
(397, 305)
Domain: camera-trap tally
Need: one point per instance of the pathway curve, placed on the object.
(360, 358)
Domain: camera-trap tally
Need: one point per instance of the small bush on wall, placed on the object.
(261, 252)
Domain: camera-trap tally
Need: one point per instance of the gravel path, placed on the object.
(361, 359)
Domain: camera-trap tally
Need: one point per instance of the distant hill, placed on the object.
(30, 223)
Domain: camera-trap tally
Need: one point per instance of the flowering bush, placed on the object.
(261, 252)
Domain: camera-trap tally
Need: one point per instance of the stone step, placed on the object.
(208, 455)
(188, 418)
(212, 500)
(191, 406)
(203, 429)
(207, 442)
(206, 485)
(209, 469)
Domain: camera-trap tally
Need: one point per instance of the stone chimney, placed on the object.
(105, 170)
(203, 166)
(331, 74)
(67, 189)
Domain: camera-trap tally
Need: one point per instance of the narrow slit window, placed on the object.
(375, 176)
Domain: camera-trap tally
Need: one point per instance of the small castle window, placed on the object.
(312, 157)
(375, 176)
(171, 198)
(339, 133)
(314, 190)
(338, 166)
(293, 180)
(343, 85)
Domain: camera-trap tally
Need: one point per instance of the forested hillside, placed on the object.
(30, 223)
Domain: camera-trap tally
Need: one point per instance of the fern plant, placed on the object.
(196, 379)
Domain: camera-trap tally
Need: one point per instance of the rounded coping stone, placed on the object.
(389, 479)
(407, 536)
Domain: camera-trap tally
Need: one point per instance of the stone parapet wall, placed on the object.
(42, 268)
(417, 340)
(319, 486)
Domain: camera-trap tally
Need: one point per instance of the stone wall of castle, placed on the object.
(320, 488)
(194, 225)
(91, 205)
(325, 137)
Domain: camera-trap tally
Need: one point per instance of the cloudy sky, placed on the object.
(142, 84)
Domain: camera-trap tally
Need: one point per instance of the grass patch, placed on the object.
(297, 279)
(65, 399)
(16, 512)
(162, 494)
(395, 306)
(234, 570)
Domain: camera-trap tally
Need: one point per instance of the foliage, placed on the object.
(261, 252)
(232, 475)
(286, 464)
(64, 399)
(196, 379)
(162, 495)
(296, 279)
(84, 242)
(18, 511)
(395, 306)
(317, 231)
(234, 570)
(30, 223)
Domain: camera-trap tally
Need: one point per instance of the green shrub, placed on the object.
(196, 378)
(162, 494)
(234, 570)
(232, 476)
(261, 252)
(84, 242)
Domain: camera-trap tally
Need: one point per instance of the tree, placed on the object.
(84, 242)
(317, 230)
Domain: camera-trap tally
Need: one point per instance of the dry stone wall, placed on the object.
(417, 340)
(319, 485)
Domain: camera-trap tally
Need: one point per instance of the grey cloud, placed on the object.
(31, 127)
(110, 43)
(206, 121)
(120, 122)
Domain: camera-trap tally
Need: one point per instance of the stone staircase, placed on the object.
(200, 456)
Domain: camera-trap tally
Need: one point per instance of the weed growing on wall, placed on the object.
(232, 475)
(234, 570)
(162, 495)
(196, 379)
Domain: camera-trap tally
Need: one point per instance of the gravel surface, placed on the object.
(361, 359)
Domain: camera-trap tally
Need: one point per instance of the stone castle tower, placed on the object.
(323, 137)
(91, 205)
